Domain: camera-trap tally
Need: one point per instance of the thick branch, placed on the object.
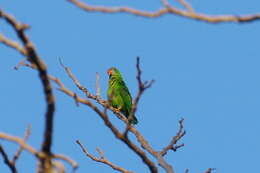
(168, 10)
(32, 56)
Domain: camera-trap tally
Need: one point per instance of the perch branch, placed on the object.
(123, 137)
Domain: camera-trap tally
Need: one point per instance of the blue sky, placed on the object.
(208, 74)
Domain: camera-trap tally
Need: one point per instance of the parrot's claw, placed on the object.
(117, 109)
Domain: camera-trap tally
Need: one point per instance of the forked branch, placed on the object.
(38, 154)
(102, 159)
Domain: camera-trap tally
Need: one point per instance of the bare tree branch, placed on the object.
(141, 85)
(38, 154)
(73, 163)
(175, 139)
(12, 44)
(123, 137)
(168, 9)
(210, 170)
(103, 115)
(97, 85)
(102, 159)
(186, 5)
(19, 151)
(19, 141)
(11, 163)
(8, 162)
(32, 56)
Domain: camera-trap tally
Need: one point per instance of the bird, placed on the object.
(119, 96)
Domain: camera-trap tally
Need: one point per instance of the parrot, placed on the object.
(118, 94)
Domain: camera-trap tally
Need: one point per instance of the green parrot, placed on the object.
(118, 94)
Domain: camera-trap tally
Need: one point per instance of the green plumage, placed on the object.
(118, 94)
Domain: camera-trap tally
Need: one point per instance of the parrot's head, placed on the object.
(113, 72)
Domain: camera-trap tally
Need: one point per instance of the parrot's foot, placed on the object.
(117, 110)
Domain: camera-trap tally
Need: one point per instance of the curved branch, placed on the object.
(30, 52)
(168, 9)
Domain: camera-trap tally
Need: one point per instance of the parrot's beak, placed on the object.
(109, 72)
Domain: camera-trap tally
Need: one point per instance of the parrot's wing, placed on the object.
(126, 97)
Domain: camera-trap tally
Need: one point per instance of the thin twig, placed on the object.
(97, 85)
(19, 141)
(175, 139)
(186, 5)
(102, 159)
(142, 86)
(12, 44)
(19, 151)
(8, 162)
